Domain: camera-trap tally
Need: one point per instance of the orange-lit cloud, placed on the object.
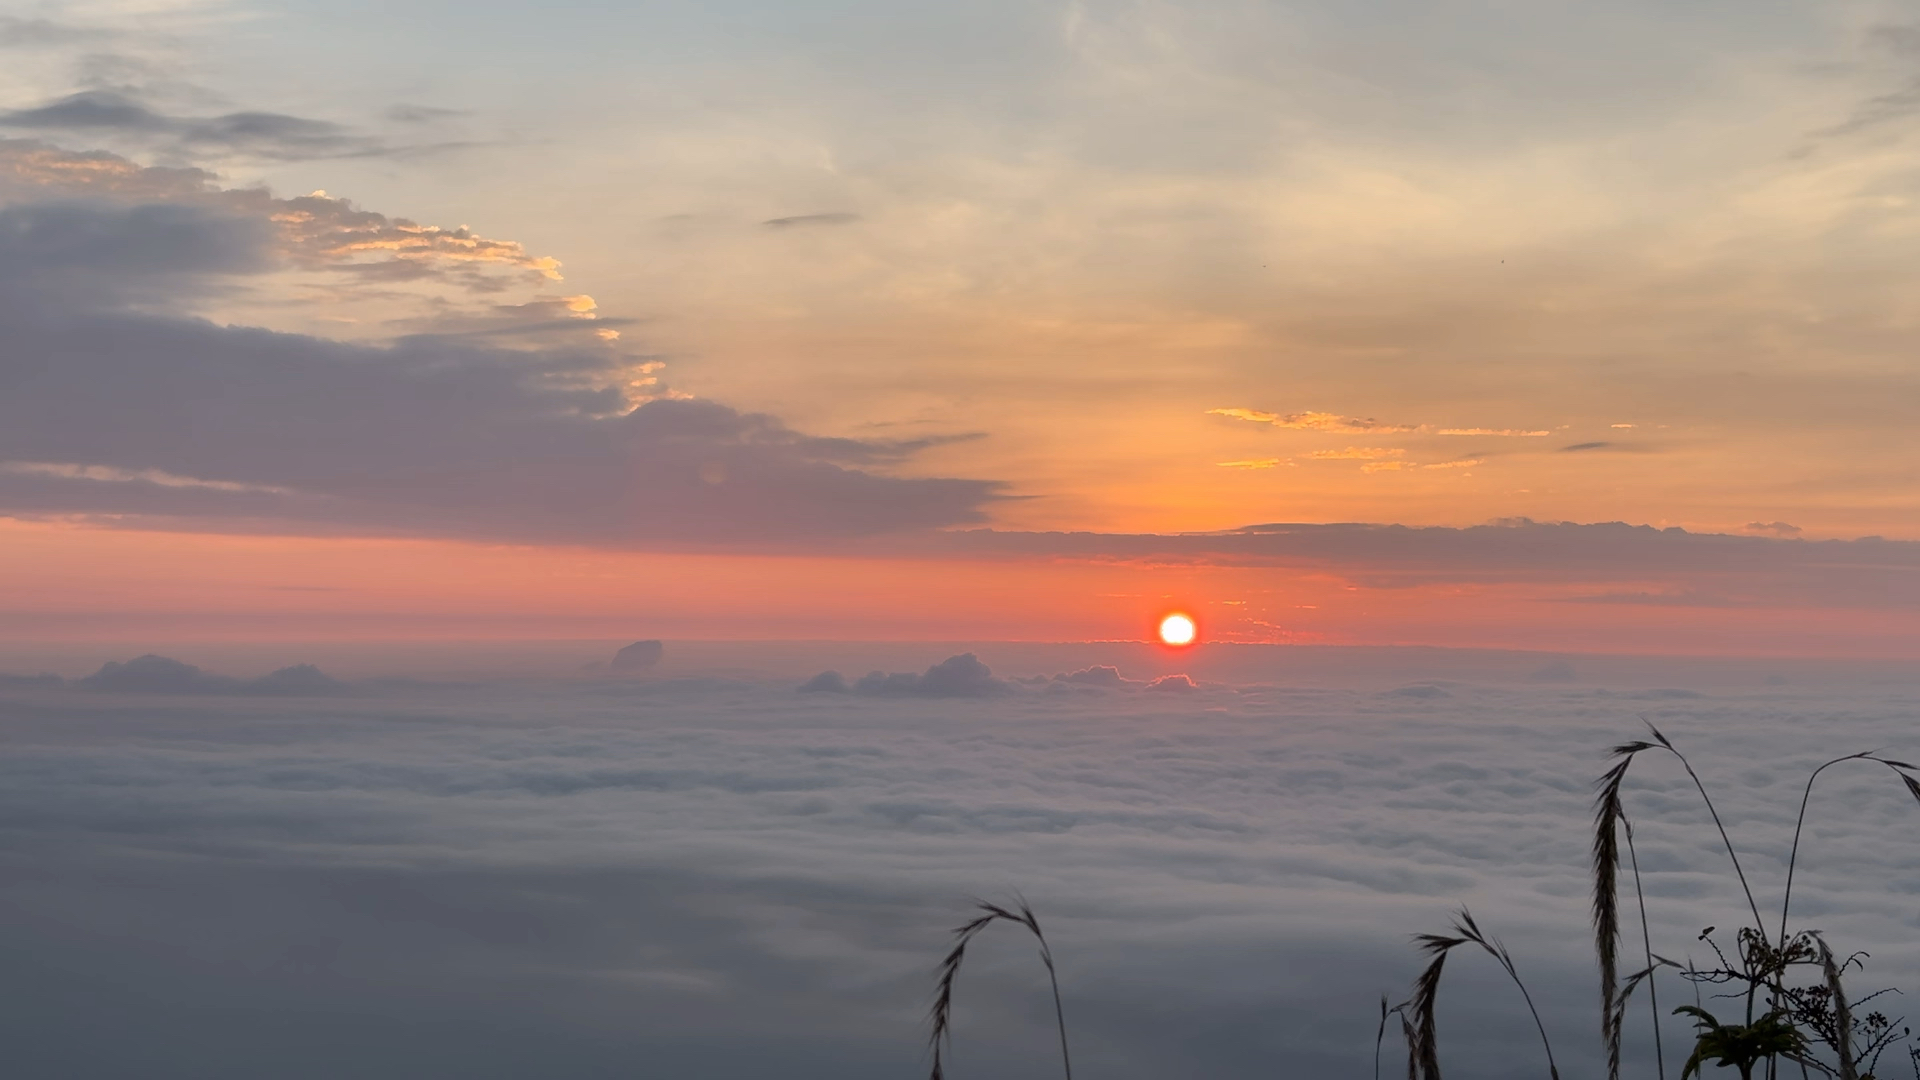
(1358, 453)
(1313, 421)
(1355, 425)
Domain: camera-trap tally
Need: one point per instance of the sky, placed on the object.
(1475, 324)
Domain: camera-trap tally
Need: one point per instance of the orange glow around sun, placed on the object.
(1178, 629)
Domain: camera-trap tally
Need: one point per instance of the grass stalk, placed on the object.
(1608, 816)
(940, 1017)
(1799, 823)
(1758, 926)
(1646, 942)
(1842, 1012)
(1423, 1036)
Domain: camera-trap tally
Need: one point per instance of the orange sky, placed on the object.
(78, 584)
(742, 362)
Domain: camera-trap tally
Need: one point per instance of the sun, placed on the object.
(1178, 629)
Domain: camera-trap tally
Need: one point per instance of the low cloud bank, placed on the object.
(155, 674)
(956, 676)
(965, 676)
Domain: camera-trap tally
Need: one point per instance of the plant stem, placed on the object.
(1646, 939)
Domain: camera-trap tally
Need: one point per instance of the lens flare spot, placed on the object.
(1178, 629)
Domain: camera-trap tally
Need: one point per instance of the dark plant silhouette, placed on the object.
(1422, 1039)
(940, 1017)
(1740, 1045)
(1811, 1025)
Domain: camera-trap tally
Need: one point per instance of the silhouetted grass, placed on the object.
(1761, 963)
(940, 1017)
(1795, 1019)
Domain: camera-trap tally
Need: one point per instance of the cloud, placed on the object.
(273, 136)
(639, 656)
(1901, 44)
(956, 676)
(1173, 684)
(1312, 421)
(94, 230)
(423, 114)
(1776, 528)
(495, 426)
(69, 254)
(425, 438)
(1103, 675)
(827, 682)
(507, 878)
(803, 220)
(1254, 463)
(1869, 573)
(1334, 423)
(153, 674)
(1577, 447)
(1358, 453)
(1687, 599)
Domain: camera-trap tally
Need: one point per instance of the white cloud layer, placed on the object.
(692, 876)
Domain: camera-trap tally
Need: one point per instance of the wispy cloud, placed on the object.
(1335, 423)
(1358, 453)
(803, 220)
(1312, 421)
(107, 474)
(268, 135)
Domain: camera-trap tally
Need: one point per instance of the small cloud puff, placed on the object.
(640, 656)
(1775, 528)
(1178, 684)
(1097, 675)
(956, 676)
(1086, 680)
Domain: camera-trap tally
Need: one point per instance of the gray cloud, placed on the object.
(801, 220)
(423, 437)
(1868, 572)
(1585, 446)
(258, 134)
(423, 114)
(59, 255)
(956, 676)
(153, 674)
(115, 408)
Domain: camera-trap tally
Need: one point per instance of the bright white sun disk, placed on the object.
(1177, 630)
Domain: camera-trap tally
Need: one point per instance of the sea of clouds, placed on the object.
(700, 870)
